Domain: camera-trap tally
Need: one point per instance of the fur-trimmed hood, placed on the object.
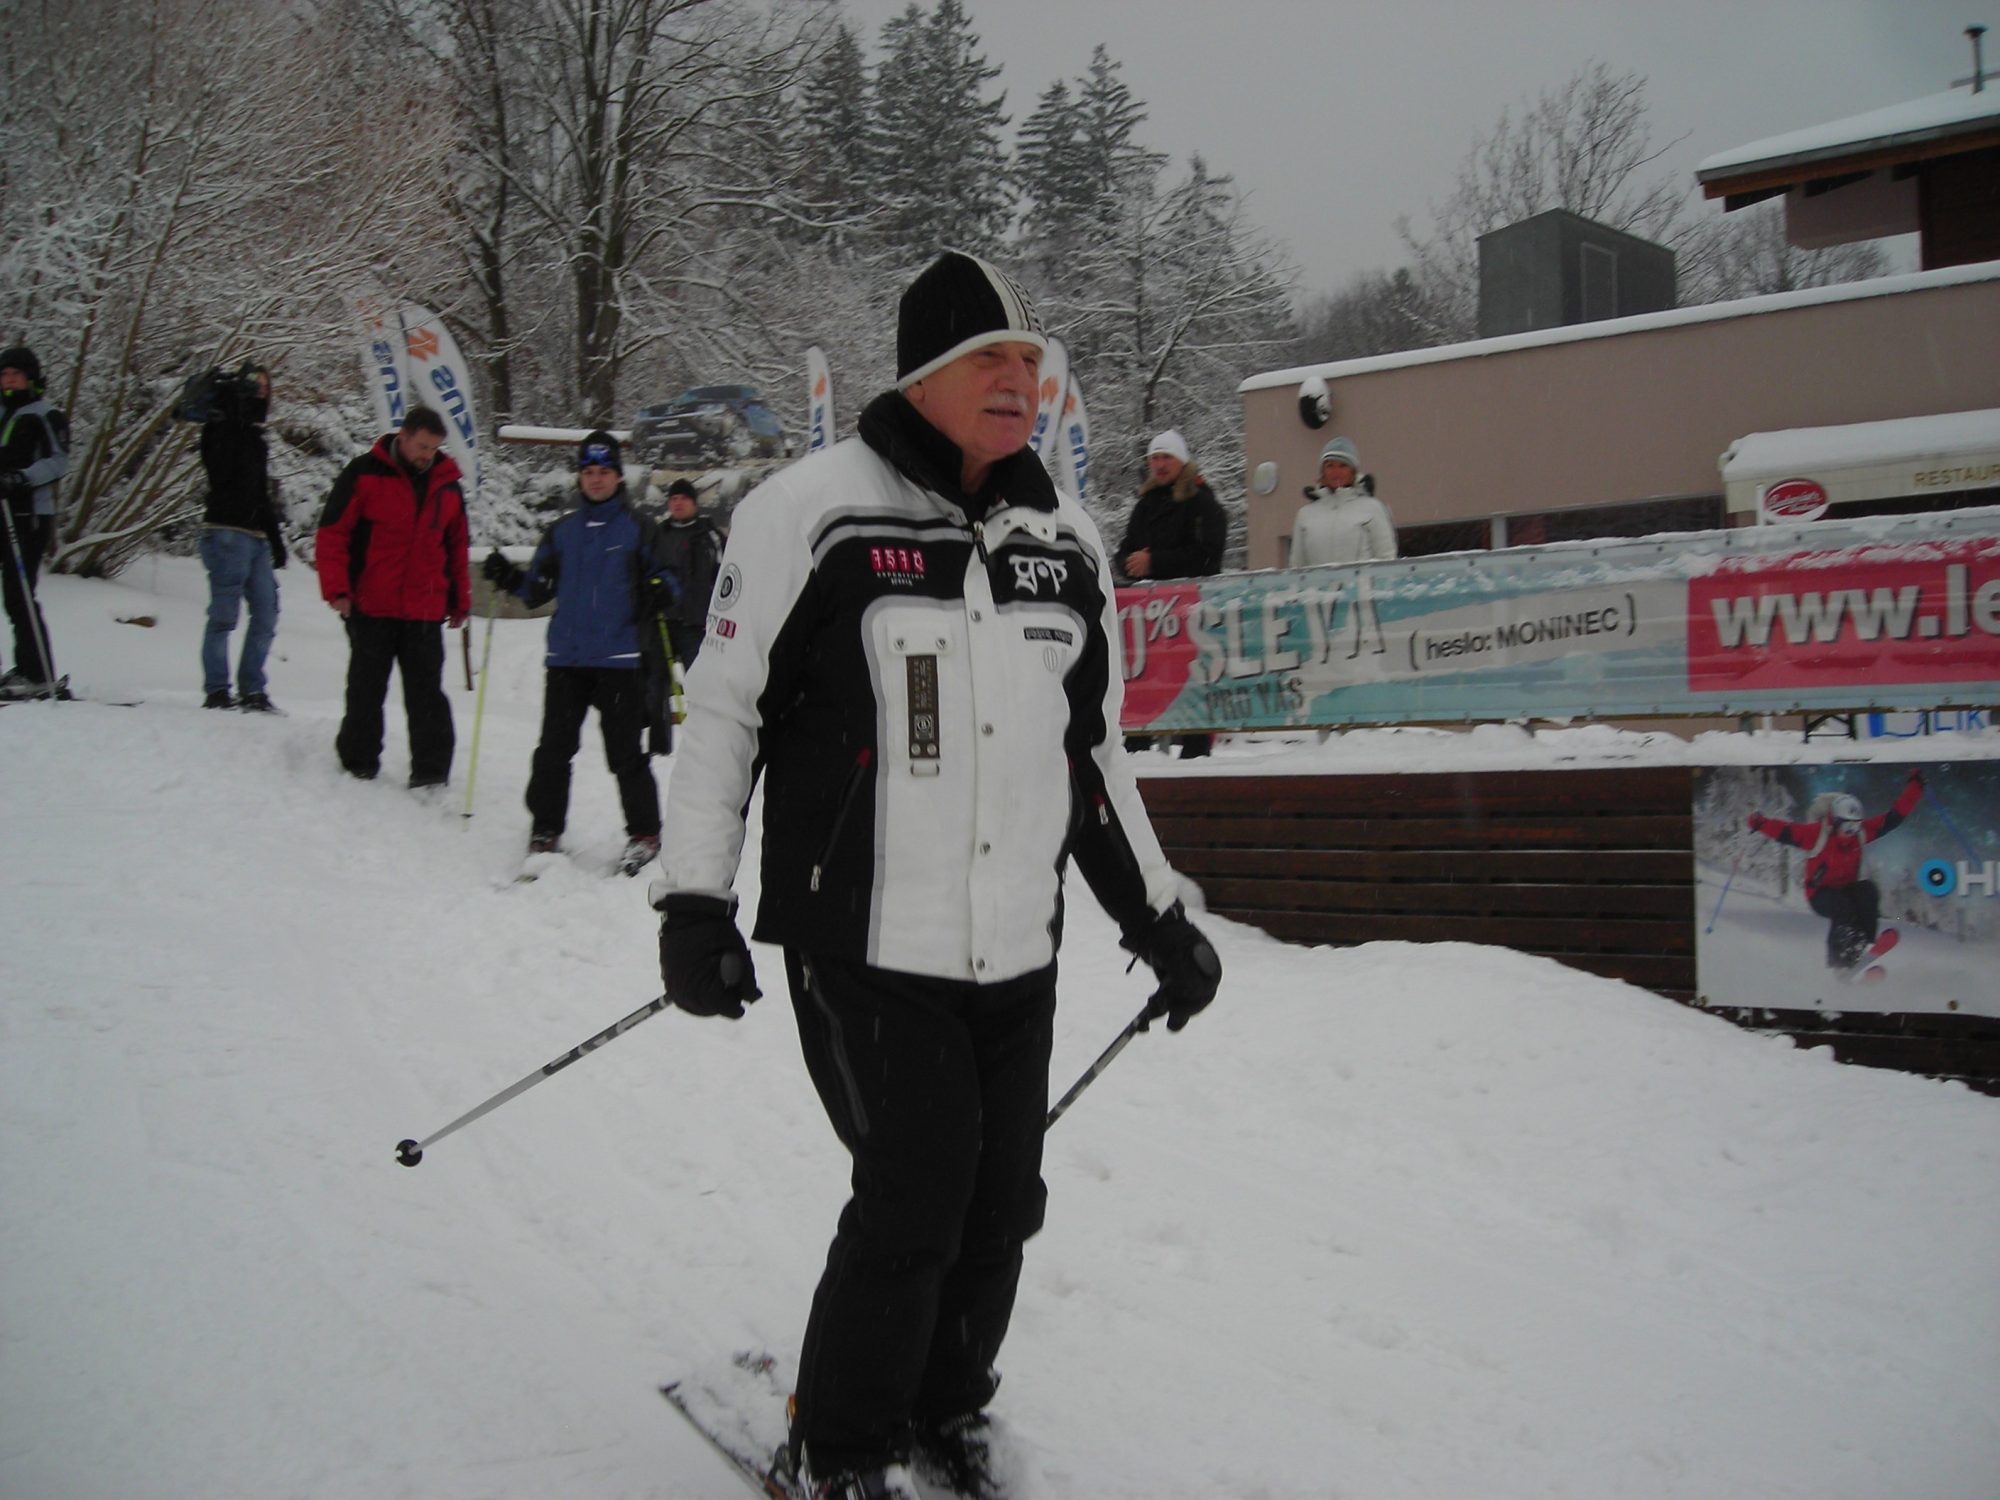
(1187, 484)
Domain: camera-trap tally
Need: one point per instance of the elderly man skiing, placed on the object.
(914, 637)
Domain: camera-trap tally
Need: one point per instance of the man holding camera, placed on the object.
(241, 546)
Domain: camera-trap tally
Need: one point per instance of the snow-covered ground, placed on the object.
(1393, 1221)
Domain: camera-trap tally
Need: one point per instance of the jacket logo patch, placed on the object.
(728, 587)
(1029, 572)
(725, 628)
(897, 564)
(1047, 633)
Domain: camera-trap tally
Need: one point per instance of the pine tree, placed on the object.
(832, 118)
(939, 168)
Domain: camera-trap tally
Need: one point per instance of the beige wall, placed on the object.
(1498, 429)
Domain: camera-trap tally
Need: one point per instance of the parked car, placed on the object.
(709, 424)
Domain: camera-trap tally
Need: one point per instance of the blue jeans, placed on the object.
(239, 569)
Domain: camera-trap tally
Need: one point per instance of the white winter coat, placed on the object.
(1342, 526)
(934, 708)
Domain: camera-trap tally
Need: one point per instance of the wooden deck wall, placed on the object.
(1591, 867)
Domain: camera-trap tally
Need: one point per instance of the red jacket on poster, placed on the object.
(1833, 852)
(394, 541)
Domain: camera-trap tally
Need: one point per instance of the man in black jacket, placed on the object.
(34, 454)
(1177, 530)
(241, 545)
(693, 549)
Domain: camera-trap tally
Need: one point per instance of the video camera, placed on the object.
(215, 393)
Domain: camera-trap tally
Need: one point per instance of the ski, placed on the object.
(762, 1481)
(705, 1409)
(1867, 968)
(63, 694)
(535, 866)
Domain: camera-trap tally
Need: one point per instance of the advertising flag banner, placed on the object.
(1050, 396)
(819, 400)
(1073, 443)
(382, 360)
(440, 378)
(1848, 887)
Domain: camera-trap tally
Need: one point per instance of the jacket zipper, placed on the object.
(837, 1046)
(840, 815)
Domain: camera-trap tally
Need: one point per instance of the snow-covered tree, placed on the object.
(196, 213)
(938, 161)
(1746, 254)
(1584, 145)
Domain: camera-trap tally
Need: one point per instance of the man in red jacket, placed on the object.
(392, 563)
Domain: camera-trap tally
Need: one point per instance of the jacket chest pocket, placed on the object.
(917, 657)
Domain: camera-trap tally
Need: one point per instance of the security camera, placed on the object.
(1315, 402)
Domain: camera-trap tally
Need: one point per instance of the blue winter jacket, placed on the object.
(596, 563)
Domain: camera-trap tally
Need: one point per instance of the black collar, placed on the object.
(900, 433)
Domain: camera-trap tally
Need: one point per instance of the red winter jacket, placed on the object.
(394, 541)
(1833, 858)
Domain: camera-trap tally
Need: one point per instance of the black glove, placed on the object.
(278, 554)
(665, 597)
(704, 961)
(500, 572)
(15, 489)
(1183, 961)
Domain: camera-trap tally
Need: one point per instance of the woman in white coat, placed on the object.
(1340, 522)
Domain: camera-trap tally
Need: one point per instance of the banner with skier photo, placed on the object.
(1869, 887)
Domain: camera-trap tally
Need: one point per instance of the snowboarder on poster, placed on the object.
(1835, 837)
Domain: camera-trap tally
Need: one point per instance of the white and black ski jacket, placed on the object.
(932, 701)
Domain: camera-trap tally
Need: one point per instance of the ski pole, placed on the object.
(673, 670)
(1733, 868)
(409, 1153)
(479, 702)
(28, 604)
(1104, 1059)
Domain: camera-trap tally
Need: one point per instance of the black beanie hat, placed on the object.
(600, 447)
(960, 303)
(22, 358)
(682, 487)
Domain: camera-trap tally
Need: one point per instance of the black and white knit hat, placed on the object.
(960, 303)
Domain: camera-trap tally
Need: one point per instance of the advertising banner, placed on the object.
(382, 361)
(819, 401)
(440, 378)
(1851, 887)
(1895, 612)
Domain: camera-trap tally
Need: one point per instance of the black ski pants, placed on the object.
(1853, 914)
(31, 533)
(939, 1090)
(619, 696)
(375, 647)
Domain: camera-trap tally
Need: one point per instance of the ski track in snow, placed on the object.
(1386, 1222)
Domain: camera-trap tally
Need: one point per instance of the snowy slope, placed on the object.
(1387, 1222)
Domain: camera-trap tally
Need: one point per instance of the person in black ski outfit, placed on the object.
(34, 454)
(1176, 530)
(606, 568)
(241, 544)
(914, 644)
(693, 548)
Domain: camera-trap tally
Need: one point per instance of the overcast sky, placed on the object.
(1336, 117)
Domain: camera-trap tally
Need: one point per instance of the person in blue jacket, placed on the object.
(609, 572)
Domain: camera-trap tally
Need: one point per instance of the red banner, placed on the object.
(1846, 619)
